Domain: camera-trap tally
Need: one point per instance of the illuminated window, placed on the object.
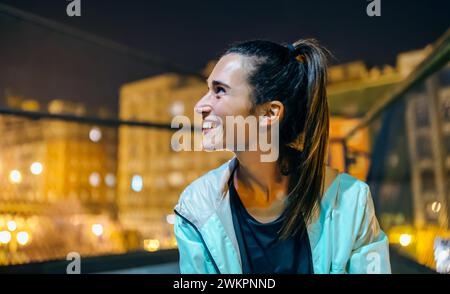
(95, 134)
(97, 229)
(22, 238)
(12, 226)
(110, 180)
(36, 168)
(136, 183)
(94, 179)
(15, 176)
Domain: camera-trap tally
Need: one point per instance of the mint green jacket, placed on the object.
(345, 236)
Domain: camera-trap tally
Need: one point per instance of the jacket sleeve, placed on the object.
(370, 254)
(194, 258)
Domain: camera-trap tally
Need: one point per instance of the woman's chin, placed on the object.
(208, 146)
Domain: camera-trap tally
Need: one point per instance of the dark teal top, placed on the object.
(260, 249)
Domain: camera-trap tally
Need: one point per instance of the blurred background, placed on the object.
(86, 103)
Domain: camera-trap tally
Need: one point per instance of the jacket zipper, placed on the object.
(201, 238)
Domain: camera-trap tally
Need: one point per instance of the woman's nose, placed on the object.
(204, 110)
(203, 107)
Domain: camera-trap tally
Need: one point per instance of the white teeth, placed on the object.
(208, 125)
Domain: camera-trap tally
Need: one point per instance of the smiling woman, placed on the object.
(291, 215)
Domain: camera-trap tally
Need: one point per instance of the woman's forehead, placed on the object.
(229, 70)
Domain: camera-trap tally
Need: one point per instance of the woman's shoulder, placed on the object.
(202, 194)
(343, 192)
(352, 191)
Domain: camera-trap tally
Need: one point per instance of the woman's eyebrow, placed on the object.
(219, 83)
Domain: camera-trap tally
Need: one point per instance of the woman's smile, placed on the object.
(208, 126)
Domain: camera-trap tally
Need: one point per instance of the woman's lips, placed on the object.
(208, 126)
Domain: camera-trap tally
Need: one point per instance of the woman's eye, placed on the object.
(220, 89)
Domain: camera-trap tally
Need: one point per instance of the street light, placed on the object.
(15, 176)
(94, 179)
(36, 168)
(95, 134)
(5, 237)
(151, 244)
(22, 238)
(12, 226)
(436, 206)
(136, 183)
(170, 218)
(110, 180)
(97, 229)
(405, 239)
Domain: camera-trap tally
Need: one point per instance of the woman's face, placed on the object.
(229, 95)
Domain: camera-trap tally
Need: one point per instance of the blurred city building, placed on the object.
(58, 186)
(410, 141)
(353, 89)
(428, 134)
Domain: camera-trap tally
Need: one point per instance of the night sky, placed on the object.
(192, 32)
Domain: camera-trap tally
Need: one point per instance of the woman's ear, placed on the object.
(271, 112)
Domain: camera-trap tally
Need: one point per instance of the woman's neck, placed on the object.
(258, 183)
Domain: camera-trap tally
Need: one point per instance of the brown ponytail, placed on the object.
(307, 179)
